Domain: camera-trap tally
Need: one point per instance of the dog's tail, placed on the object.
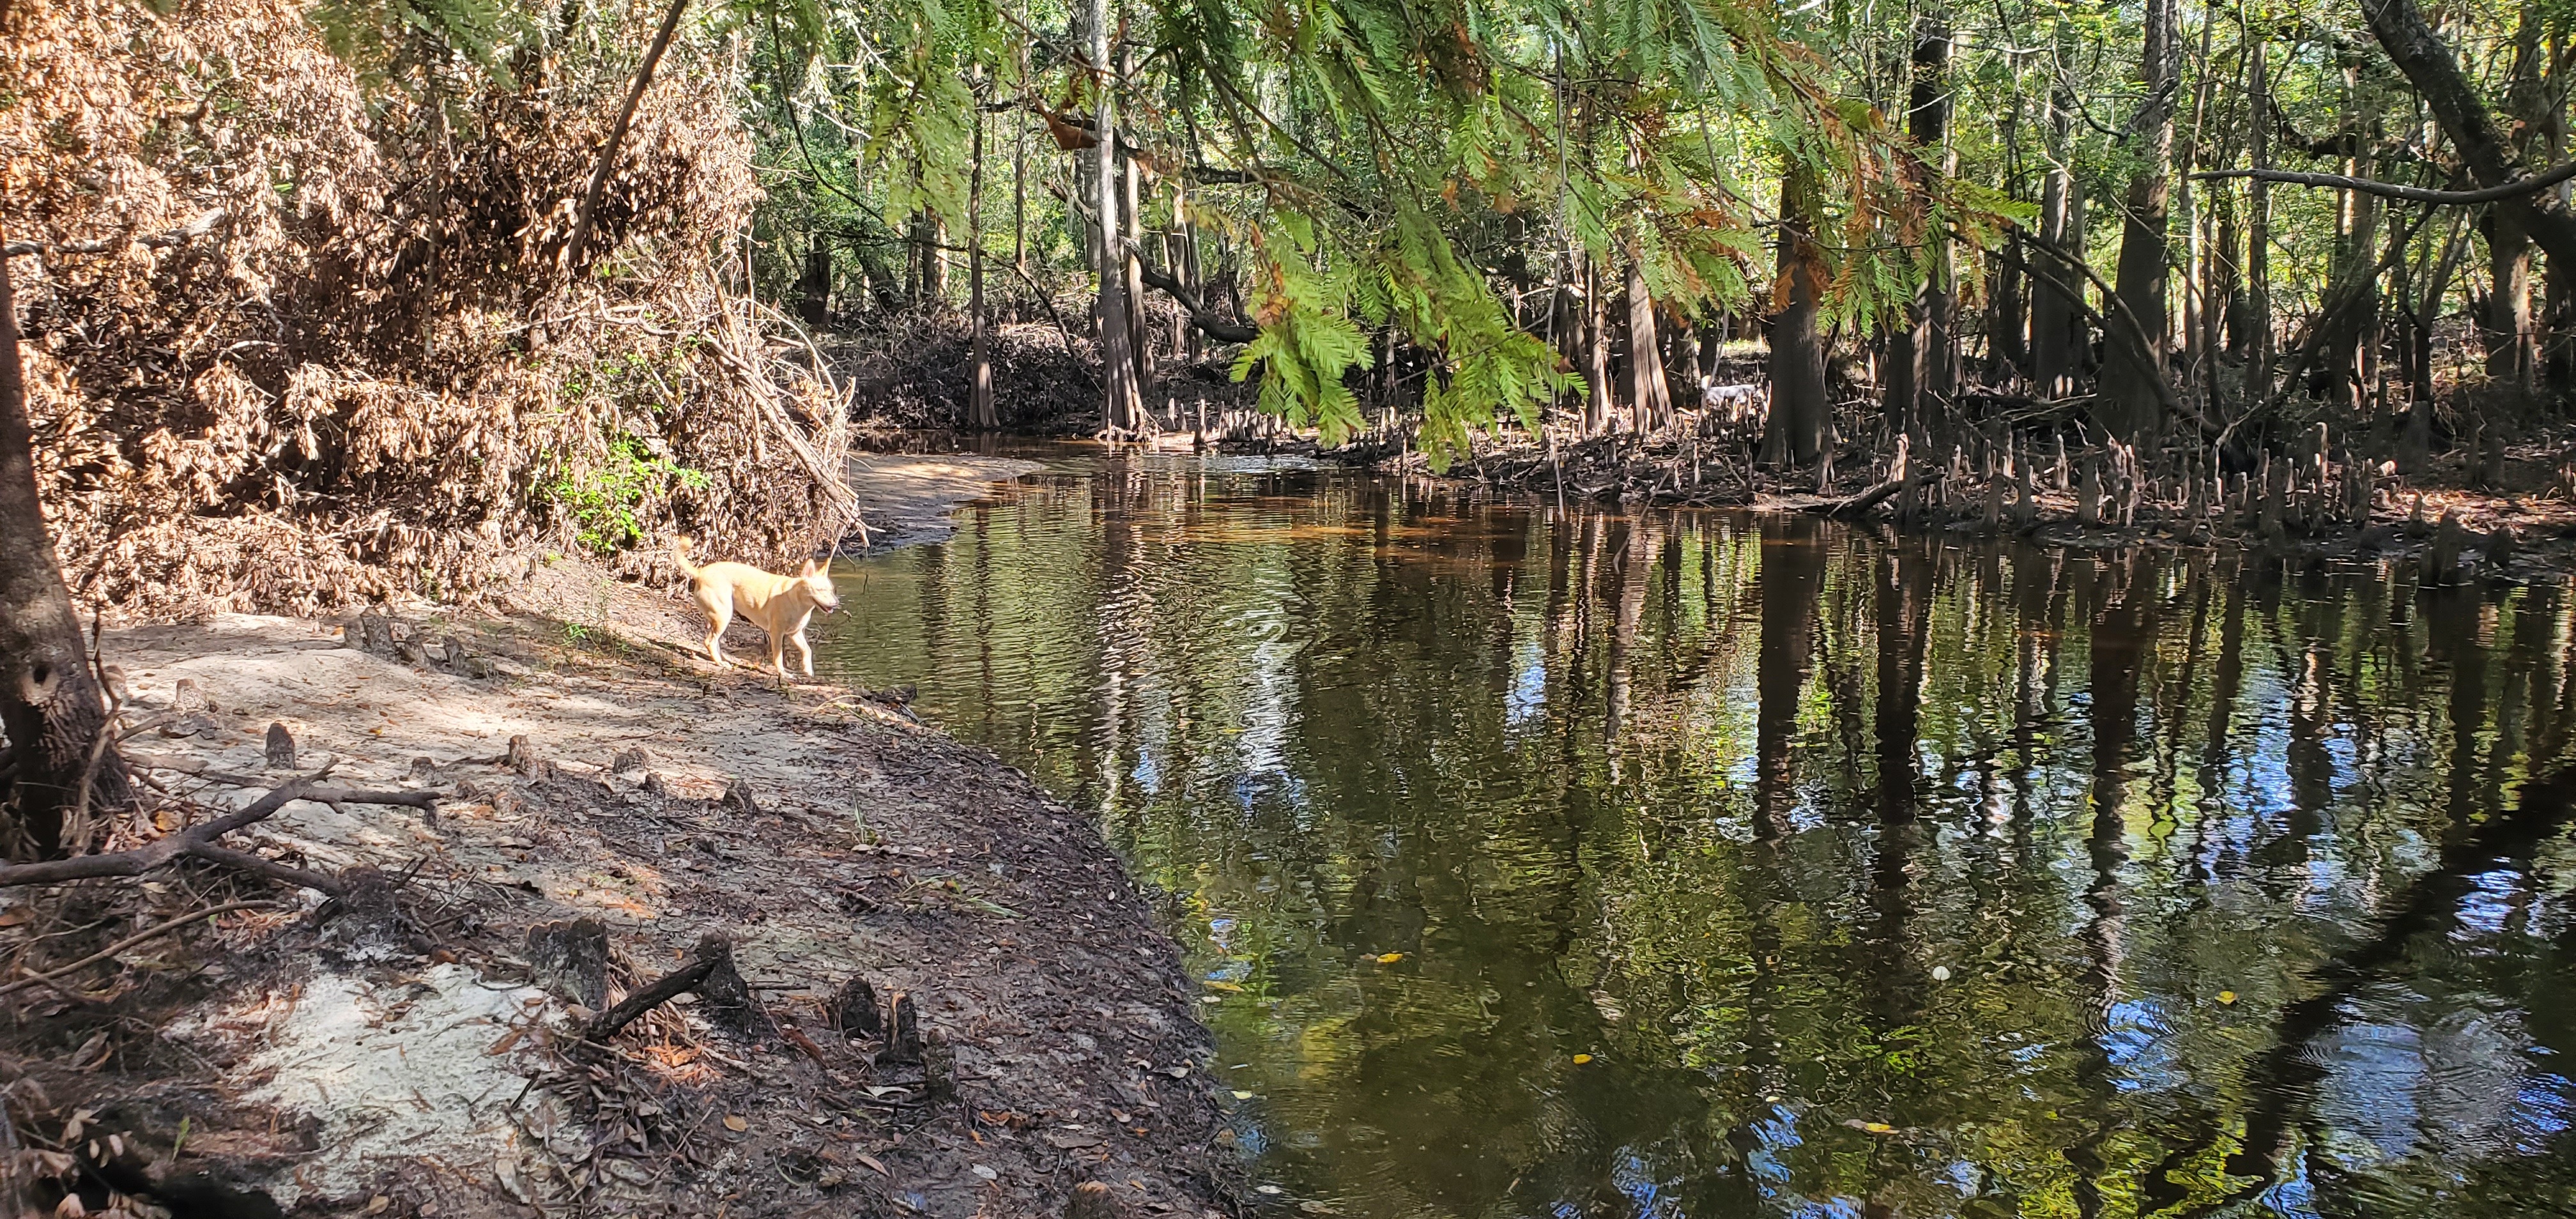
(680, 555)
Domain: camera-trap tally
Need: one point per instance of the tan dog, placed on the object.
(780, 605)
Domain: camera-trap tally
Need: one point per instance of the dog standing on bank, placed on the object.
(779, 605)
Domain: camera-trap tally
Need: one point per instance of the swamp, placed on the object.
(1397, 608)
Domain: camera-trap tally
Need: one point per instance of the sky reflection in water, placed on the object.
(1874, 876)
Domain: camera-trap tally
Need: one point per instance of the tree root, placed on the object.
(199, 841)
(130, 941)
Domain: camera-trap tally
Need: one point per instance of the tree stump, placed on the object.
(572, 960)
(854, 1011)
(903, 1032)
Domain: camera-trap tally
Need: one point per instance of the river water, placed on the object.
(1543, 863)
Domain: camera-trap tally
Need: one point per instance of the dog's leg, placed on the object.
(719, 616)
(804, 649)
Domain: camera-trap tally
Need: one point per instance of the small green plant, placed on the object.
(605, 503)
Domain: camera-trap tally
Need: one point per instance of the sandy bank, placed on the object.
(430, 1058)
(907, 497)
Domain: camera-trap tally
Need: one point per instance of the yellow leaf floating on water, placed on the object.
(735, 1124)
(1878, 1127)
(1389, 958)
(2227, 996)
(1581, 1059)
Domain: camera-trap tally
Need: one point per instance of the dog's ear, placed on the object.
(808, 569)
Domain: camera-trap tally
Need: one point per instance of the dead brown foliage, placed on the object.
(297, 343)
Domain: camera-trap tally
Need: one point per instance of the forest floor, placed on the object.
(601, 788)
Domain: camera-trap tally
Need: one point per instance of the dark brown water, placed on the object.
(1692, 864)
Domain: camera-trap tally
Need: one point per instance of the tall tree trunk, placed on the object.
(2507, 327)
(2056, 326)
(2057, 329)
(979, 395)
(2008, 324)
(2227, 266)
(1794, 435)
(1596, 350)
(1020, 181)
(1122, 409)
(934, 260)
(1919, 356)
(2145, 242)
(1651, 397)
(2258, 220)
(51, 708)
(2351, 311)
(1139, 332)
(814, 287)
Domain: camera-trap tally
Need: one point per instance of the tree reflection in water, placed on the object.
(1875, 874)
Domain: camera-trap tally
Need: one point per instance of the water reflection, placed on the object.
(1867, 875)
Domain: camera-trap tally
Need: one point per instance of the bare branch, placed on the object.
(130, 941)
(2528, 185)
(199, 840)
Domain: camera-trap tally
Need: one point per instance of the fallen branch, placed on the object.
(130, 941)
(193, 767)
(712, 951)
(199, 840)
(1210, 324)
(1866, 500)
(581, 221)
(191, 231)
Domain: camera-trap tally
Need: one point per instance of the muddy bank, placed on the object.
(944, 996)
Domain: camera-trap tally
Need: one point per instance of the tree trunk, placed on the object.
(2350, 314)
(2429, 65)
(1139, 333)
(1122, 410)
(934, 260)
(2145, 241)
(1020, 183)
(1596, 350)
(1794, 435)
(2056, 325)
(1918, 357)
(814, 288)
(2258, 222)
(979, 395)
(2008, 325)
(1650, 396)
(2507, 327)
(51, 708)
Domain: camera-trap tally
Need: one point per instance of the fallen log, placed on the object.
(1866, 500)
